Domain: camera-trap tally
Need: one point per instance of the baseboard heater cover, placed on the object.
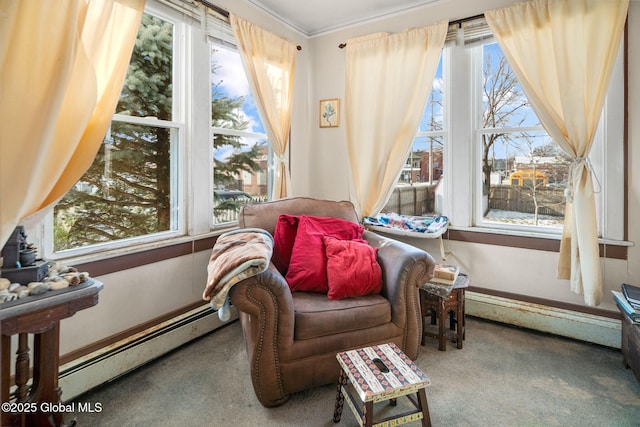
(581, 326)
(104, 365)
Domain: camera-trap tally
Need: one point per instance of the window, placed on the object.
(523, 172)
(241, 150)
(486, 161)
(520, 173)
(185, 149)
(418, 191)
(132, 187)
(502, 171)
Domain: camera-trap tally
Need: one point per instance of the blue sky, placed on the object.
(234, 84)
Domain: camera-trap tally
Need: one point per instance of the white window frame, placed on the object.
(181, 69)
(463, 151)
(220, 34)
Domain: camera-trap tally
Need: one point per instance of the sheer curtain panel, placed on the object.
(388, 80)
(270, 64)
(62, 65)
(563, 52)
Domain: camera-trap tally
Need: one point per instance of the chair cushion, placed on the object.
(308, 266)
(317, 316)
(352, 268)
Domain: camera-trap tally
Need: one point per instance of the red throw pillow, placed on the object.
(308, 267)
(352, 268)
(283, 238)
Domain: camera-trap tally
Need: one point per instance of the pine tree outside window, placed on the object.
(131, 189)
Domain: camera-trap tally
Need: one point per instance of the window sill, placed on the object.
(114, 260)
(529, 240)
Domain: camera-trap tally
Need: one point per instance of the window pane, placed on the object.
(129, 189)
(242, 159)
(126, 192)
(505, 104)
(432, 118)
(524, 172)
(417, 188)
(528, 174)
(148, 88)
(234, 184)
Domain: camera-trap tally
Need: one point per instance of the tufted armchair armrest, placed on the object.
(404, 269)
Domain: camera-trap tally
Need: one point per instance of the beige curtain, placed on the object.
(62, 68)
(270, 63)
(388, 80)
(562, 52)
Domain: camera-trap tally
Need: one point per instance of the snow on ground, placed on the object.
(521, 218)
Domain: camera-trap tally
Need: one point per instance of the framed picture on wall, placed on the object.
(329, 113)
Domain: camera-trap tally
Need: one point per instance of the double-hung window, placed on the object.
(486, 160)
(131, 191)
(185, 148)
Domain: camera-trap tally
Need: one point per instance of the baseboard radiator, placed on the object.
(109, 363)
(581, 326)
(92, 370)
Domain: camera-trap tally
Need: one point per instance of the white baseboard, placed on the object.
(104, 365)
(581, 326)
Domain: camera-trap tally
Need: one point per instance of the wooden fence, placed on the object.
(419, 200)
(551, 201)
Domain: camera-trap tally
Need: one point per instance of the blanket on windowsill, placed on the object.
(236, 255)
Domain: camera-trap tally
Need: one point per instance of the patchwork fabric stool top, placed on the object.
(378, 373)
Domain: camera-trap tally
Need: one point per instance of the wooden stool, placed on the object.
(437, 308)
(378, 373)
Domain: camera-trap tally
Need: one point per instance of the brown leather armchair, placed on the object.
(292, 338)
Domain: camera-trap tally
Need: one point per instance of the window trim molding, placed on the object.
(608, 249)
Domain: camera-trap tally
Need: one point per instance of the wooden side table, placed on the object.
(378, 373)
(38, 315)
(438, 308)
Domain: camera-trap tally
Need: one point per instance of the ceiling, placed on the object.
(313, 17)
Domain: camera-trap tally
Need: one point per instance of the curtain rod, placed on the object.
(224, 12)
(457, 22)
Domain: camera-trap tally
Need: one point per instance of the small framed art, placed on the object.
(329, 113)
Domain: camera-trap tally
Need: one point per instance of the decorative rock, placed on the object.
(38, 288)
(72, 278)
(59, 276)
(19, 289)
(60, 284)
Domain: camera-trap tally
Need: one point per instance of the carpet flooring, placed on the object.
(504, 376)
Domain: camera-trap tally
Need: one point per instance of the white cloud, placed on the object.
(230, 71)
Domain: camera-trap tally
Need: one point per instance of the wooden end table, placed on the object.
(438, 307)
(38, 315)
(374, 374)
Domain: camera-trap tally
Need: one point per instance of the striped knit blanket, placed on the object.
(236, 255)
